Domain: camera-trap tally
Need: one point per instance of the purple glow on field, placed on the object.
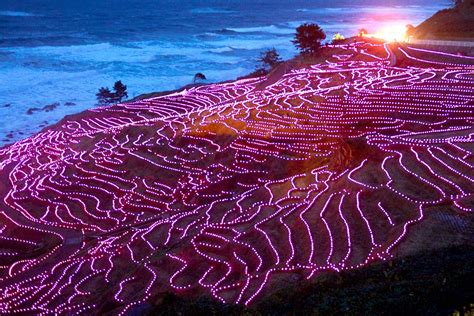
(217, 189)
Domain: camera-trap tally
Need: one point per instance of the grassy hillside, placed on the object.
(456, 24)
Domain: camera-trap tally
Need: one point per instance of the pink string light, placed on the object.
(217, 189)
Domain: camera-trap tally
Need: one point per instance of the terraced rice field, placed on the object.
(227, 189)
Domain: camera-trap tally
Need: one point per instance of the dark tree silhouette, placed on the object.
(104, 96)
(107, 97)
(269, 58)
(362, 32)
(199, 76)
(120, 91)
(308, 38)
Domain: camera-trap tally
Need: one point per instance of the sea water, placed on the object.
(60, 53)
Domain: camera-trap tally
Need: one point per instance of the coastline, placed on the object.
(45, 77)
(294, 62)
(10, 136)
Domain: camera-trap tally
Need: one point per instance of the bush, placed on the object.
(199, 77)
(337, 38)
(308, 38)
(269, 59)
(104, 96)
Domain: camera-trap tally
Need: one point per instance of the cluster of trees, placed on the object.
(107, 97)
(309, 36)
(308, 40)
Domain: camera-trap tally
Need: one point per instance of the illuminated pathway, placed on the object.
(224, 189)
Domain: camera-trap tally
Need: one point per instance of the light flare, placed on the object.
(391, 33)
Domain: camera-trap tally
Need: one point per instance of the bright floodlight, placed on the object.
(391, 33)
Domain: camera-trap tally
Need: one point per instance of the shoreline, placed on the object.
(17, 125)
(9, 138)
(295, 62)
(253, 74)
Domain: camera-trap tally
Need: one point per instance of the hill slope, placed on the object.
(228, 190)
(449, 24)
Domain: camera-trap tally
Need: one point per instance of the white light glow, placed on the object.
(391, 33)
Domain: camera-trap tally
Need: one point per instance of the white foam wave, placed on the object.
(253, 43)
(211, 11)
(273, 29)
(140, 52)
(219, 50)
(16, 14)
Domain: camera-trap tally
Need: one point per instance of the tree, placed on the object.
(308, 38)
(107, 97)
(362, 32)
(104, 96)
(120, 91)
(269, 58)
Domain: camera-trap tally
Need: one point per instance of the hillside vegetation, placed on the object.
(456, 23)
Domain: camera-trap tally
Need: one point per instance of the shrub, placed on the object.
(269, 58)
(120, 91)
(337, 38)
(104, 96)
(199, 77)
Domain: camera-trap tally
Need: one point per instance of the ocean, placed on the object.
(55, 55)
